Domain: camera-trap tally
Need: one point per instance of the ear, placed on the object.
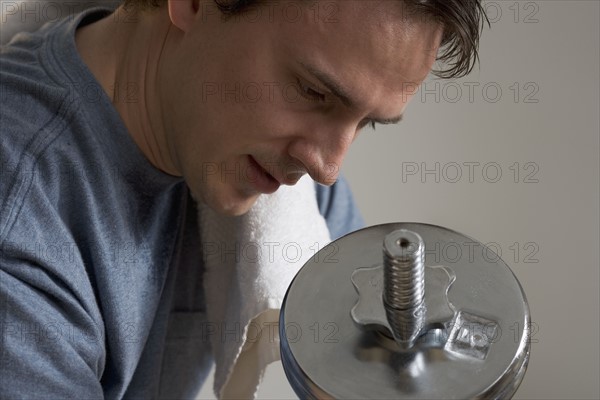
(183, 13)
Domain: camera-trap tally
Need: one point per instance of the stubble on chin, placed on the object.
(236, 202)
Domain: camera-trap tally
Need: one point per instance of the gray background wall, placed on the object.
(550, 127)
(531, 113)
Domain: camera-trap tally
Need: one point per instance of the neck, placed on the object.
(123, 52)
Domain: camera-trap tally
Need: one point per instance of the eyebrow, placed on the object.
(338, 91)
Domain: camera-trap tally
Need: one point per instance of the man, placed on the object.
(113, 121)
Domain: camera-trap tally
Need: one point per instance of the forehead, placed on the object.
(372, 43)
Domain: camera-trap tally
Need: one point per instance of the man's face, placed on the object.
(257, 100)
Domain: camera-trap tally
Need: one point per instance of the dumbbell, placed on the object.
(405, 310)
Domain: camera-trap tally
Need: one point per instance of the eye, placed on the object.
(309, 92)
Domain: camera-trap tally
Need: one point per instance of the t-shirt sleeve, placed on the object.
(339, 209)
(50, 348)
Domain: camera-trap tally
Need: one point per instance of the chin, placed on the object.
(233, 210)
(232, 207)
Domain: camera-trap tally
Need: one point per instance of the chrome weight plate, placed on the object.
(344, 329)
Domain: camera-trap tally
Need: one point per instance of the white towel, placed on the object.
(250, 261)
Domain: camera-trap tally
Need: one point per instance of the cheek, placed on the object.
(221, 120)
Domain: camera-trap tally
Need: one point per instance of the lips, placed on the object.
(284, 173)
(263, 181)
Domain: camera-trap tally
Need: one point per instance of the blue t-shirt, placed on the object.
(100, 267)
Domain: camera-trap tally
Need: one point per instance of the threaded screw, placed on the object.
(404, 285)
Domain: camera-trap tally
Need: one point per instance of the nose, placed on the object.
(322, 152)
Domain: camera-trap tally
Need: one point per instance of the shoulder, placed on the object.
(35, 111)
(32, 103)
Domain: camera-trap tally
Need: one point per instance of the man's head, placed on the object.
(256, 93)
